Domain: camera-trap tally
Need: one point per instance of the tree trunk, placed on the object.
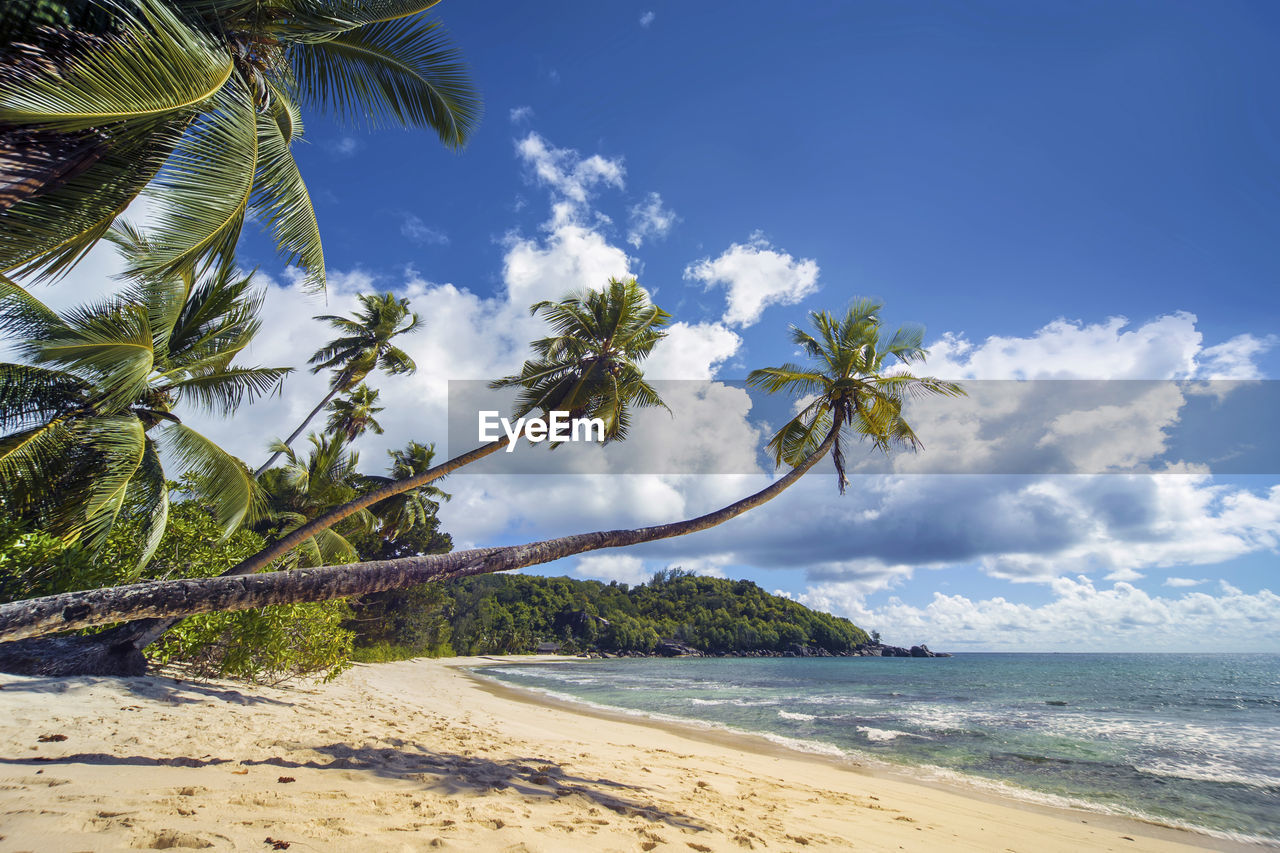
(337, 386)
(179, 598)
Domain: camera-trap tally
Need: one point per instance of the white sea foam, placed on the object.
(791, 715)
(880, 735)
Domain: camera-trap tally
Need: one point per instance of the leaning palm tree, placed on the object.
(199, 102)
(353, 415)
(89, 409)
(847, 387)
(590, 366)
(840, 378)
(365, 346)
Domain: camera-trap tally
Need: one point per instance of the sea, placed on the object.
(1190, 741)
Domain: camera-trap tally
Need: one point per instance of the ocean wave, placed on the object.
(880, 735)
(792, 715)
(1223, 774)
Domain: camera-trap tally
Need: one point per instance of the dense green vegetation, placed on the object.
(504, 614)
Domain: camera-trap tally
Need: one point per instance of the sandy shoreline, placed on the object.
(418, 755)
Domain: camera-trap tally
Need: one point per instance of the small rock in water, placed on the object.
(1056, 702)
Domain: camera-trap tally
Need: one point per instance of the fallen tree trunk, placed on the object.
(177, 598)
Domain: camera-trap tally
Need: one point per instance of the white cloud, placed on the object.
(1183, 582)
(419, 232)
(1168, 347)
(756, 276)
(622, 568)
(566, 172)
(649, 220)
(692, 351)
(646, 19)
(1081, 617)
(343, 147)
(520, 114)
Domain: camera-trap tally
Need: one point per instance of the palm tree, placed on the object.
(414, 507)
(199, 101)
(846, 386)
(303, 489)
(840, 378)
(88, 410)
(353, 415)
(365, 346)
(589, 366)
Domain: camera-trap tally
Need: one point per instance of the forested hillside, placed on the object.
(506, 613)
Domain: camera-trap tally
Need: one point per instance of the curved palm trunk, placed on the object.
(333, 392)
(144, 632)
(179, 598)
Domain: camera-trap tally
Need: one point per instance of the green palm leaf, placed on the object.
(225, 390)
(396, 72)
(154, 67)
(221, 479)
(204, 189)
(281, 202)
(119, 446)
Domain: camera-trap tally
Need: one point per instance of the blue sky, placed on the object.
(1080, 189)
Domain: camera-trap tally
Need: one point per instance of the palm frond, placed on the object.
(119, 446)
(154, 68)
(282, 204)
(222, 479)
(223, 391)
(404, 72)
(205, 187)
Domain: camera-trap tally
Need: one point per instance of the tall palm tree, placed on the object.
(353, 415)
(847, 386)
(200, 102)
(591, 365)
(861, 402)
(88, 410)
(365, 346)
(408, 509)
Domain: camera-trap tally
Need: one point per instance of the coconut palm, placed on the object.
(590, 366)
(199, 101)
(861, 402)
(365, 346)
(353, 415)
(847, 387)
(304, 488)
(414, 507)
(89, 409)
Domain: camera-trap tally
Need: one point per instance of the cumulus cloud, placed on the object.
(756, 276)
(1183, 582)
(1081, 617)
(649, 220)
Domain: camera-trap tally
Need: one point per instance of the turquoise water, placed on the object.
(1187, 740)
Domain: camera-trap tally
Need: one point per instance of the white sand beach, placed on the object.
(419, 755)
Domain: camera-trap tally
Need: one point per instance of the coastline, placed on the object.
(421, 753)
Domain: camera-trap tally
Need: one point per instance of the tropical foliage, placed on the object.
(365, 345)
(512, 614)
(90, 407)
(199, 102)
(354, 415)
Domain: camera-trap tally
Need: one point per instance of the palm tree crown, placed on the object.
(199, 100)
(367, 342)
(847, 387)
(87, 411)
(353, 415)
(590, 367)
